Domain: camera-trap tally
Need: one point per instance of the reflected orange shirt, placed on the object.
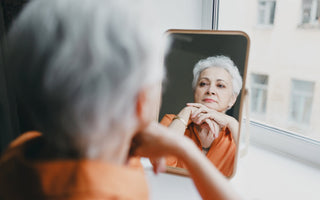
(24, 178)
(221, 153)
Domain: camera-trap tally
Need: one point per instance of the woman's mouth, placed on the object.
(208, 100)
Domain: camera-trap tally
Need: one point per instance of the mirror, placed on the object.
(188, 47)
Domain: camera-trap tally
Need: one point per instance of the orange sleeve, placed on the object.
(167, 119)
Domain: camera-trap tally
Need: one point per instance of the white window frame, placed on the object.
(313, 22)
(286, 143)
(268, 13)
(263, 87)
(206, 20)
(281, 141)
(303, 95)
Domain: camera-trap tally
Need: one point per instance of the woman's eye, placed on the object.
(202, 84)
(221, 86)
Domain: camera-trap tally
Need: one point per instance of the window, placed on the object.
(301, 101)
(291, 111)
(266, 12)
(259, 86)
(280, 54)
(310, 12)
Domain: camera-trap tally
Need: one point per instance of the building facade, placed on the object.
(284, 60)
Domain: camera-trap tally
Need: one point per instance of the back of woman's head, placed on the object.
(79, 65)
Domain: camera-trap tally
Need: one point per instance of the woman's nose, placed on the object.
(211, 90)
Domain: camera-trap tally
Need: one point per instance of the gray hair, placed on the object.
(219, 61)
(80, 64)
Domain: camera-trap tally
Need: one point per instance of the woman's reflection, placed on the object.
(216, 85)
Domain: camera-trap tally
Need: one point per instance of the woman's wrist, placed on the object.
(232, 124)
(231, 121)
(181, 120)
(185, 112)
(183, 116)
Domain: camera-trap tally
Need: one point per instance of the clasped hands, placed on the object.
(209, 122)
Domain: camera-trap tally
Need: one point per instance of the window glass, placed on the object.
(266, 11)
(310, 12)
(301, 101)
(259, 87)
(284, 64)
(306, 11)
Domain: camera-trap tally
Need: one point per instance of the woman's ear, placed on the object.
(232, 100)
(148, 104)
(140, 105)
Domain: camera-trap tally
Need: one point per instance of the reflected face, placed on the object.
(214, 89)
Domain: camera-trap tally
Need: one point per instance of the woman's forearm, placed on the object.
(180, 123)
(210, 182)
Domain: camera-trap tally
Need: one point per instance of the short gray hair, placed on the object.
(218, 61)
(80, 64)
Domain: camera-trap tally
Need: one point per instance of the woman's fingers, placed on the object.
(200, 118)
(159, 165)
(214, 128)
(214, 119)
(211, 137)
(201, 108)
(211, 126)
(197, 112)
(216, 134)
(197, 105)
(206, 136)
(204, 109)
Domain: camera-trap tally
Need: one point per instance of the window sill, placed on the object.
(309, 26)
(264, 175)
(289, 144)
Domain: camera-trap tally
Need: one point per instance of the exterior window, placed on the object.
(301, 101)
(310, 12)
(287, 54)
(266, 12)
(259, 87)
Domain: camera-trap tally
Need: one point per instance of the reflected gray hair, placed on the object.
(219, 61)
(80, 64)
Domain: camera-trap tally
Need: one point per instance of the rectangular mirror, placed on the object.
(217, 93)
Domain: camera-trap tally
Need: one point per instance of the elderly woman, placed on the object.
(90, 77)
(216, 85)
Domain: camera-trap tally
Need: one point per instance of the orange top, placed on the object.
(221, 153)
(24, 177)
